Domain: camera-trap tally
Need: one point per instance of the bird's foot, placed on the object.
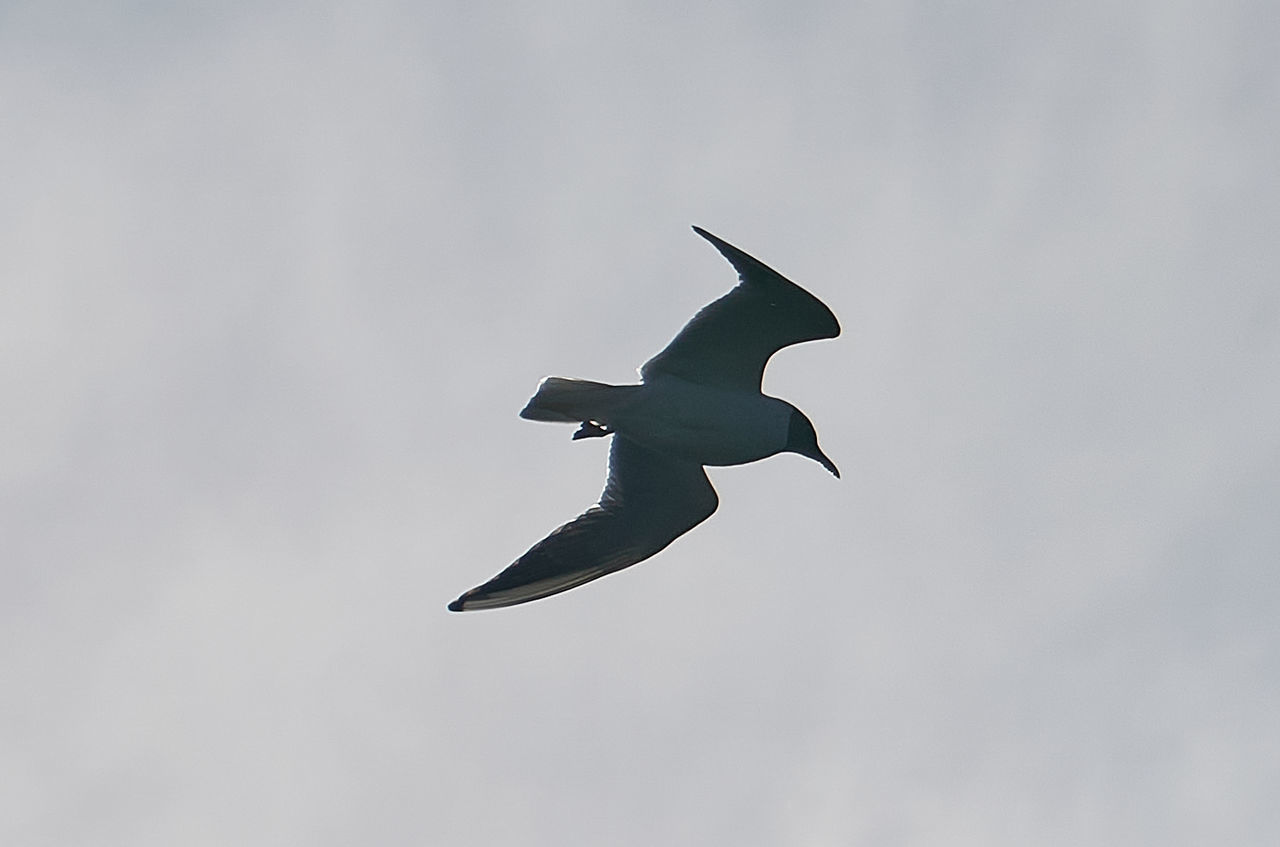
(591, 429)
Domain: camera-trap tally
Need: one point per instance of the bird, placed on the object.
(699, 403)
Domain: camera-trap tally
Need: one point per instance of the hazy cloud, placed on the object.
(278, 278)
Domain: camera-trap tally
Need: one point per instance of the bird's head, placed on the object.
(802, 439)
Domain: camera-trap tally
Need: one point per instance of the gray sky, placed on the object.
(276, 278)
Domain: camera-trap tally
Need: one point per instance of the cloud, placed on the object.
(278, 279)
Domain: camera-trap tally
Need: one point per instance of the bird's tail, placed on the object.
(574, 400)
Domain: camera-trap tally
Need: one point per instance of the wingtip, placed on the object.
(736, 256)
(712, 238)
(457, 605)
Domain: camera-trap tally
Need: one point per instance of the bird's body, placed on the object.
(699, 404)
(706, 424)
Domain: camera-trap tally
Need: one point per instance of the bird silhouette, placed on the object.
(699, 403)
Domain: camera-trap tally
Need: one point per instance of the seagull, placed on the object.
(698, 403)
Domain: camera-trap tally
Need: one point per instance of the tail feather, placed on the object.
(562, 400)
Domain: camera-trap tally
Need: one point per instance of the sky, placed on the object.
(276, 279)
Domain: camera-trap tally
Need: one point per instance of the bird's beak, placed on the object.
(821, 458)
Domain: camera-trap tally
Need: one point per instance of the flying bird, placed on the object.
(698, 403)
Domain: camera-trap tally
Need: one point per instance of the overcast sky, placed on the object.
(276, 278)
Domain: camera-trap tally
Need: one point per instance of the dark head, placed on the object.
(803, 440)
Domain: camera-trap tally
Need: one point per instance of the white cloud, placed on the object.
(278, 279)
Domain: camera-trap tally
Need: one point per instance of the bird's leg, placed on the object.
(591, 429)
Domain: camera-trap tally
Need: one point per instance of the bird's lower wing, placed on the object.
(649, 501)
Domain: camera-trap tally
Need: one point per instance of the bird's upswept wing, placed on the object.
(649, 501)
(730, 340)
